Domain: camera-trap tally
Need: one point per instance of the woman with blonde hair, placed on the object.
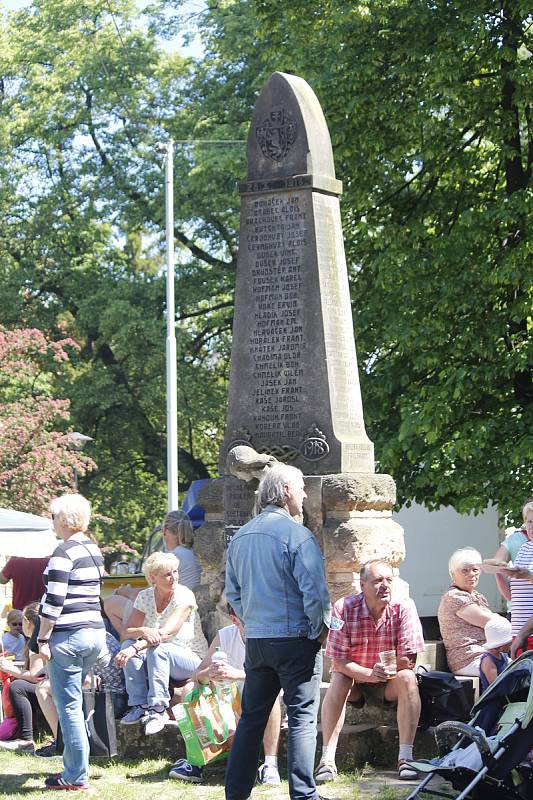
(159, 635)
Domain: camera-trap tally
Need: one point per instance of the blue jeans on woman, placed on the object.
(148, 673)
(73, 655)
(294, 665)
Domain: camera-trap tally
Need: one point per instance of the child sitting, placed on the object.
(13, 641)
(498, 643)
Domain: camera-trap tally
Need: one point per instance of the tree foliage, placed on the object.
(430, 111)
(429, 107)
(37, 459)
(87, 91)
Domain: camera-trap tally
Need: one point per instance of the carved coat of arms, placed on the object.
(276, 135)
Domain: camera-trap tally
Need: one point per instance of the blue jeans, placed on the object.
(73, 655)
(148, 672)
(295, 665)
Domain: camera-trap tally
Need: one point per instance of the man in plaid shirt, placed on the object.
(368, 624)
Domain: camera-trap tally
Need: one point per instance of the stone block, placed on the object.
(356, 747)
(349, 544)
(211, 496)
(359, 492)
(313, 506)
(434, 654)
(132, 743)
(209, 547)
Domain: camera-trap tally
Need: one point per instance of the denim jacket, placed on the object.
(275, 578)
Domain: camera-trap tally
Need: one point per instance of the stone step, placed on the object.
(359, 744)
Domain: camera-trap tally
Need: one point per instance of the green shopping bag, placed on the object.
(207, 723)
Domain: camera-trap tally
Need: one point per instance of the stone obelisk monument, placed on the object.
(294, 383)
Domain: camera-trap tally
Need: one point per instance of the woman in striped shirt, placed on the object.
(72, 632)
(521, 577)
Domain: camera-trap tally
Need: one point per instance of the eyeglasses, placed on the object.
(16, 624)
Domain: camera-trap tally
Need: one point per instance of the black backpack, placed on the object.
(443, 698)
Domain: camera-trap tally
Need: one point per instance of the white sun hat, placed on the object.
(497, 632)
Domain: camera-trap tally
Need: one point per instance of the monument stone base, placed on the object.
(350, 515)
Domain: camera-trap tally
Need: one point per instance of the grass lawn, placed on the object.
(22, 776)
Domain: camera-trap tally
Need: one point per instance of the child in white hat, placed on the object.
(496, 657)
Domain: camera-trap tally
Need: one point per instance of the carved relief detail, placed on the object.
(276, 134)
(315, 446)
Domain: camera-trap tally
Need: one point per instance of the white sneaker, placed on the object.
(269, 775)
(155, 722)
(135, 714)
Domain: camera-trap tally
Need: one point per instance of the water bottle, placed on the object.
(223, 687)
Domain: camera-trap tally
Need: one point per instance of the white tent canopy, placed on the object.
(26, 535)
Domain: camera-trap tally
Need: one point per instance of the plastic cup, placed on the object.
(388, 659)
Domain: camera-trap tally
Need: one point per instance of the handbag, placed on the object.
(207, 723)
(99, 716)
(442, 697)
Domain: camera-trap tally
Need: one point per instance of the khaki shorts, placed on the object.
(373, 694)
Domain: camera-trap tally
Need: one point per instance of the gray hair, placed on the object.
(461, 557)
(363, 574)
(179, 525)
(527, 507)
(271, 489)
(72, 510)
(156, 562)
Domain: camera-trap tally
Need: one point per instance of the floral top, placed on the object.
(145, 602)
(463, 641)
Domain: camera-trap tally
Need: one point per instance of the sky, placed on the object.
(190, 7)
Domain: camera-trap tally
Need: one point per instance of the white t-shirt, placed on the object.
(145, 602)
(522, 590)
(232, 644)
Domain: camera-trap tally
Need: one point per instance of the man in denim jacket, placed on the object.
(275, 582)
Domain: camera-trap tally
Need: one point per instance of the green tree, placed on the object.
(429, 107)
(37, 458)
(87, 91)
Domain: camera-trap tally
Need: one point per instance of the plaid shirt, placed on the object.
(361, 640)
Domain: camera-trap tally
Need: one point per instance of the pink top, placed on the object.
(462, 640)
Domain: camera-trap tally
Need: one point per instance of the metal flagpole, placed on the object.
(171, 350)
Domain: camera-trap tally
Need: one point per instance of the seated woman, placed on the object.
(23, 689)
(463, 613)
(158, 642)
(178, 537)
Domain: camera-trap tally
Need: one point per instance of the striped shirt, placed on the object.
(522, 590)
(72, 580)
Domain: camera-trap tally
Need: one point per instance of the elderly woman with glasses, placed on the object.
(463, 613)
(158, 646)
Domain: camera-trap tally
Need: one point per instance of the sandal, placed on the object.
(325, 772)
(406, 772)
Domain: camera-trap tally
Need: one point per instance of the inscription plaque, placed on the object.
(294, 384)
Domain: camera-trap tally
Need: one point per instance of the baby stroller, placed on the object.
(488, 760)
